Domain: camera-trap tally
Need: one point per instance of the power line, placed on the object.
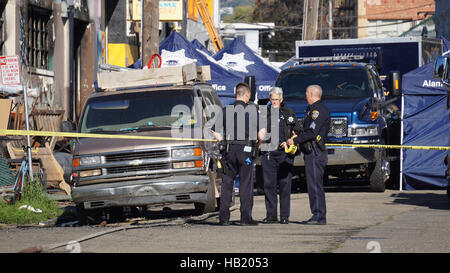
(285, 28)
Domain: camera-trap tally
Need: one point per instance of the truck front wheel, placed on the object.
(376, 179)
(210, 204)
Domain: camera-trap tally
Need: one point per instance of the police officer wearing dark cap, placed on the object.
(239, 135)
(277, 162)
(312, 139)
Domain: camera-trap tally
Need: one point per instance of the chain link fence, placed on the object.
(6, 175)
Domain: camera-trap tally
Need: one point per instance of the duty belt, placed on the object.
(242, 142)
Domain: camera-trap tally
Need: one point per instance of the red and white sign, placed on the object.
(10, 70)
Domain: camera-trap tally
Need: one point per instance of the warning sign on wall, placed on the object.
(10, 70)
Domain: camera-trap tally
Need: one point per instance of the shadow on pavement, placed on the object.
(430, 200)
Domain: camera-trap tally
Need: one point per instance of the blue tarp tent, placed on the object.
(177, 50)
(425, 123)
(196, 43)
(239, 57)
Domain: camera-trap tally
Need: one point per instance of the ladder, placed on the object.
(212, 31)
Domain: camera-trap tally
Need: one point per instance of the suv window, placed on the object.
(336, 83)
(136, 111)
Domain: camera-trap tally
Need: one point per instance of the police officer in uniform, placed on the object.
(240, 152)
(312, 139)
(276, 163)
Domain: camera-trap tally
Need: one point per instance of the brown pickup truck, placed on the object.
(112, 173)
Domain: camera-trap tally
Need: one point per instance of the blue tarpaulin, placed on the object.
(196, 43)
(176, 50)
(241, 59)
(425, 123)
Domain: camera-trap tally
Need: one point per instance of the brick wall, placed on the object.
(399, 9)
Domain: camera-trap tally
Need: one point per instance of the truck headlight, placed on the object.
(90, 160)
(183, 153)
(362, 131)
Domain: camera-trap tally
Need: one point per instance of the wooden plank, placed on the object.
(189, 72)
(153, 76)
(147, 77)
(47, 112)
(204, 73)
(5, 112)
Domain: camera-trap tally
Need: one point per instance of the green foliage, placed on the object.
(235, 3)
(288, 18)
(241, 14)
(34, 196)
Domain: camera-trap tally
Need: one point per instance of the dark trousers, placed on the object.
(314, 170)
(277, 170)
(236, 160)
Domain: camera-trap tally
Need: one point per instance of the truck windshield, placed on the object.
(336, 83)
(139, 111)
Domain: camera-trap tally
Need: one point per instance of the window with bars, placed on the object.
(38, 37)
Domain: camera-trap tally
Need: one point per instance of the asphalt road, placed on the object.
(358, 222)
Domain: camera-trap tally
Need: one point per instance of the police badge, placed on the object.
(315, 114)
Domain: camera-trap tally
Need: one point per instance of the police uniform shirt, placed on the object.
(287, 122)
(254, 122)
(316, 122)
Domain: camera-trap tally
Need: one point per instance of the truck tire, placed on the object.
(210, 205)
(448, 190)
(376, 177)
(86, 217)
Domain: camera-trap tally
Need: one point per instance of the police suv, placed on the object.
(360, 114)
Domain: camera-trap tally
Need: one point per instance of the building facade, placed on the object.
(391, 18)
(53, 42)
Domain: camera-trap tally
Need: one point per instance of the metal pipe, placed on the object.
(401, 143)
(72, 100)
(142, 34)
(30, 160)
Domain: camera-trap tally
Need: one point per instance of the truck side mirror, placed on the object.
(395, 83)
(67, 127)
(441, 67)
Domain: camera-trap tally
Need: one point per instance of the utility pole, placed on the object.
(310, 19)
(330, 19)
(150, 29)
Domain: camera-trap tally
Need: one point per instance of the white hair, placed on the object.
(315, 90)
(277, 91)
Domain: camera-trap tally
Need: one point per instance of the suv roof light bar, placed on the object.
(342, 58)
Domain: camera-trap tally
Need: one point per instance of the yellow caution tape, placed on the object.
(77, 135)
(63, 134)
(375, 146)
